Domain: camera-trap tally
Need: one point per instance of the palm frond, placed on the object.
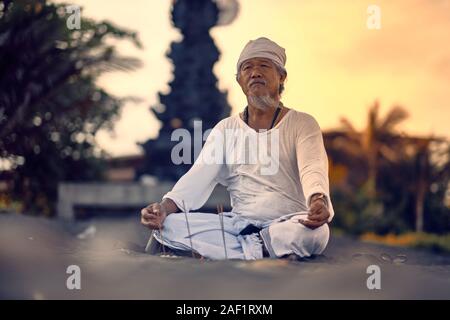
(395, 116)
(349, 130)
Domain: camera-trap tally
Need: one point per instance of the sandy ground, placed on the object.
(35, 253)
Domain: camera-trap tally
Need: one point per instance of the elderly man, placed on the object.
(275, 213)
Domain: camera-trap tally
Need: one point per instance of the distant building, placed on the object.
(123, 168)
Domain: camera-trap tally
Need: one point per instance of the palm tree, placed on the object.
(426, 170)
(378, 141)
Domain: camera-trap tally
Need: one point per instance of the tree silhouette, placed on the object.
(377, 142)
(50, 105)
(398, 170)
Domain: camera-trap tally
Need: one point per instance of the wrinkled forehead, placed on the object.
(256, 60)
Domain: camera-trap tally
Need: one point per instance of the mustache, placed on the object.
(252, 82)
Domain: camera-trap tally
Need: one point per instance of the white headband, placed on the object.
(263, 48)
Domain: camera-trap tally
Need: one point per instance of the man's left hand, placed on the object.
(318, 214)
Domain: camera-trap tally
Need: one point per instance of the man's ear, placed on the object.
(238, 79)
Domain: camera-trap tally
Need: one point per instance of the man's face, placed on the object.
(259, 77)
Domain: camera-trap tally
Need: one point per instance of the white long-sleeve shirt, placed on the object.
(301, 161)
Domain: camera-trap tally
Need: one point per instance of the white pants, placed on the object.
(282, 236)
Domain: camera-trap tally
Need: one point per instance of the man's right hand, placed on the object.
(153, 216)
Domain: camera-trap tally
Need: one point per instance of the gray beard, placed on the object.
(261, 102)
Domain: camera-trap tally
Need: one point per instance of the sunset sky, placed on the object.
(336, 65)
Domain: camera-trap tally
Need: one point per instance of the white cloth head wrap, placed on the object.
(263, 48)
